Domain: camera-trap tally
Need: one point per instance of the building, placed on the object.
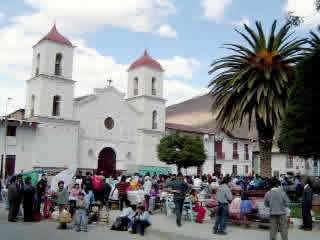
(226, 154)
(107, 130)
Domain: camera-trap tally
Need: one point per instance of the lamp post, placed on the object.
(5, 141)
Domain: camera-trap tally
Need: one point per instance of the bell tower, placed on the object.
(50, 89)
(145, 91)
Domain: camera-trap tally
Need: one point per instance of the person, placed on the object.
(179, 188)
(62, 196)
(307, 206)
(28, 200)
(277, 200)
(88, 195)
(73, 197)
(87, 181)
(122, 187)
(194, 196)
(141, 221)
(41, 189)
(224, 198)
(20, 187)
(82, 207)
(124, 221)
(298, 187)
(13, 198)
(197, 181)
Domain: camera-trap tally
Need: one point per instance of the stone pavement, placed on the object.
(163, 228)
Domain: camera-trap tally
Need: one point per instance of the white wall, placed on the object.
(145, 75)
(45, 88)
(48, 51)
(93, 134)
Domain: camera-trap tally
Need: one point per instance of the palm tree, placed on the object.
(251, 85)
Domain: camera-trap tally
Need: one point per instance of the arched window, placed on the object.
(56, 105)
(33, 99)
(154, 120)
(38, 65)
(136, 86)
(154, 92)
(58, 69)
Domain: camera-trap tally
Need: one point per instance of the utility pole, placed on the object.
(5, 141)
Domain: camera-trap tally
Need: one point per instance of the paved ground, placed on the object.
(163, 228)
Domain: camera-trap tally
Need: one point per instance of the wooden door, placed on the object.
(107, 162)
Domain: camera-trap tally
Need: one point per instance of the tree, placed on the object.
(295, 20)
(182, 150)
(300, 130)
(252, 84)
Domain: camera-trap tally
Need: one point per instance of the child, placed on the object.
(73, 198)
(141, 221)
(82, 207)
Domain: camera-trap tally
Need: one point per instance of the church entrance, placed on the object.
(107, 161)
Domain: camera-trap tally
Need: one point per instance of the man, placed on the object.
(122, 188)
(179, 188)
(13, 198)
(224, 198)
(277, 200)
(307, 206)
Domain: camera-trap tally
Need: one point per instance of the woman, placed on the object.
(28, 200)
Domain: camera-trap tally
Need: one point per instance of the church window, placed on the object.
(56, 106)
(38, 65)
(154, 120)
(136, 86)
(109, 123)
(57, 69)
(33, 99)
(11, 131)
(154, 92)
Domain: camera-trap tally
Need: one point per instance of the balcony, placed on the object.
(235, 156)
(220, 155)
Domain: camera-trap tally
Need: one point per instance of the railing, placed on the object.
(235, 156)
(154, 92)
(57, 71)
(220, 155)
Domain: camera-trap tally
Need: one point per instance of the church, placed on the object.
(108, 130)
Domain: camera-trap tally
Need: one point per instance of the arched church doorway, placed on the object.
(107, 161)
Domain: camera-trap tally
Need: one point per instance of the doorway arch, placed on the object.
(107, 161)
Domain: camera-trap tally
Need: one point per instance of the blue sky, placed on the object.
(184, 35)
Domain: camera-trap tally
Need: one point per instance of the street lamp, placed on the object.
(3, 170)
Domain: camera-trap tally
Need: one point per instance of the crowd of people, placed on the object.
(77, 199)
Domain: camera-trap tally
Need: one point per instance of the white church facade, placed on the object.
(108, 130)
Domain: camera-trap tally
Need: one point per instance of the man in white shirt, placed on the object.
(197, 181)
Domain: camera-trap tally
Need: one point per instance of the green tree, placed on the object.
(182, 150)
(300, 130)
(295, 20)
(251, 85)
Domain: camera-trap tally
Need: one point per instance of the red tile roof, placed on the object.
(146, 60)
(190, 129)
(55, 36)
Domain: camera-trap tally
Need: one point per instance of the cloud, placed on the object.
(167, 31)
(214, 9)
(305, 9)
(180, 66)
(178, 91)
(135, 15)
(241, 22)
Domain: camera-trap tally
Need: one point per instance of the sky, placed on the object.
(185, 36)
